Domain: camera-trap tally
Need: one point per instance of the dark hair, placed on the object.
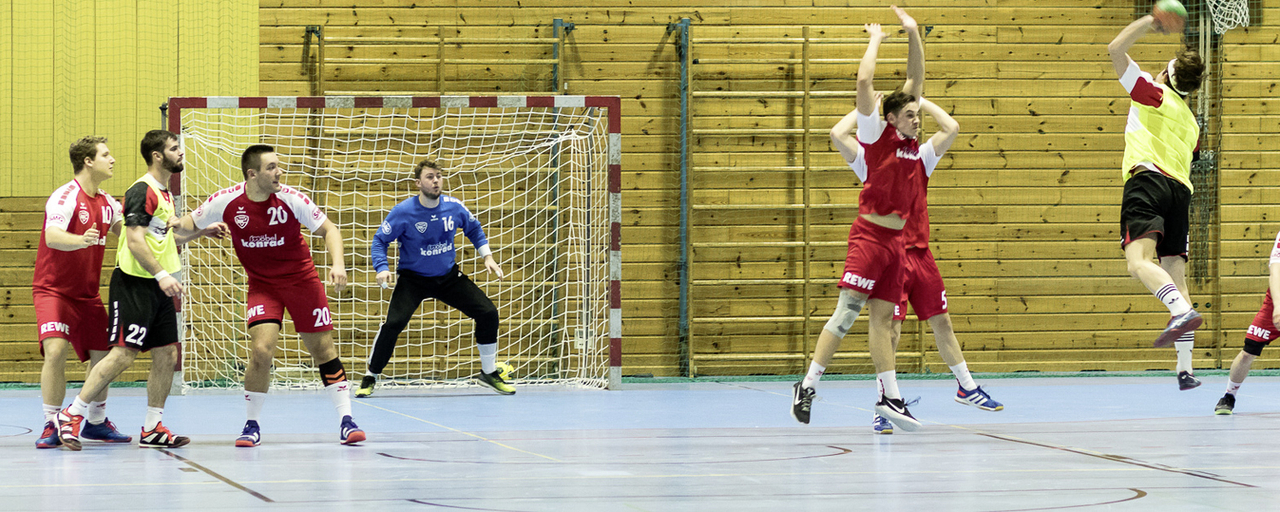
(154, 141)
(252, 158)
(1188, 71)
(426, 163)
(894, 102)
(85, 148)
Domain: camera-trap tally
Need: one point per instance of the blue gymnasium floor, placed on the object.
(1102, 443)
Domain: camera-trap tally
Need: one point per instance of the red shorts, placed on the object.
(1262, 330)
(921, 286)
(304, 298)
(81, 322)
(874, 263)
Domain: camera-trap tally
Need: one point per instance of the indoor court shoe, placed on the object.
(350, 433)
(1226, 406)
(49, 439)
(105, 432)
(161, 437)
(1178, 326)
(978, 398)
(801, 402)
(494, 381)
(250, 436)
(366, 386)
(880, 425)
(69, 429)
(1187, 381)
(896, 411)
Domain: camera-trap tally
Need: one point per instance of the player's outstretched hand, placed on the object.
(90, 237)
(386, 279)
(908, 23)
(874, 30)
(338, 278)
(171, 286)
(217, 230)
(492, 266)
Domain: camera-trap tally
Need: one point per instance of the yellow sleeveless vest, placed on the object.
(159, 240)
(1166, 138)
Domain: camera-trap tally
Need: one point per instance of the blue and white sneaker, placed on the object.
(251, 436)
(49, 438)
(880, 425)
(105, 432)
(978, 398)
(1178, 326)
(350, 433)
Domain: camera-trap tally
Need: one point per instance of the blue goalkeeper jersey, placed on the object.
(426, 235)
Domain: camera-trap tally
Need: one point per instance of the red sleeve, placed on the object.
(1147, 93)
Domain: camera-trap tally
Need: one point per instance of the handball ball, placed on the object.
(1170, 14)
(505, 370)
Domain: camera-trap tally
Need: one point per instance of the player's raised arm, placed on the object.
(915, 54)
(867, 70)
(1119, 47)
(333, 241)
(948, 128)
(842, 136)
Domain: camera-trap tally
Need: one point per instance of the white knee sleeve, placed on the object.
(847, 310)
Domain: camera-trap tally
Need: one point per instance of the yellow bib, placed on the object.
(1165, 136)
(159, 240)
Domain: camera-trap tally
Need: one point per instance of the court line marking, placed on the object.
(839, 451)
(214, 474)
(1137, 494)
(451, 429)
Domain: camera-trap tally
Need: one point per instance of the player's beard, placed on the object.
(173, 167)
(431, 195)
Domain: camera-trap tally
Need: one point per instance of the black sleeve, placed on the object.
(136, 211)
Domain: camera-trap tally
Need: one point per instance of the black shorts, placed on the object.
(142, 316)
(1159, 207)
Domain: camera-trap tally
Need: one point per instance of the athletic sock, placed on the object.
(337, 386)
(815, 374)
(1232, 387)
(488, 357)
(961, 371)
(78, 407)
(1185, 344)
(889, 384)
(51, 412)
(1172, 299)
(153, 418)
(253, 401)
(97, 412)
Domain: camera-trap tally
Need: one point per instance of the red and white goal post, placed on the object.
(542, 174)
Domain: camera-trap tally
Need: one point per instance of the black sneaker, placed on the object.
(366, 386)
(896, 412)
(1187, 381)
(801, 402)
(1226, 406)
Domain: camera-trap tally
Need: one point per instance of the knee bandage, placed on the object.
(847, 310)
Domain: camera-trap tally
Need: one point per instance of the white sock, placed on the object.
(340, 394)
(889, 384)
(1185, 344)
(78, 407)
(51, 412)
(488, 357)
(153, 418)
(961, 371)
(1172, 299)
(97, 412)
(1232, 387)
(253, 401)
(815, 374)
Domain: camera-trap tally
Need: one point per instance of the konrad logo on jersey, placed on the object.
(434, 249)
(902, 153)
(858, 281)
(422, 227)
(263, 241)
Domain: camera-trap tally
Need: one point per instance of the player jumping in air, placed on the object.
(266, 220)
(424, 226)
(1160, 138)
(65, 289)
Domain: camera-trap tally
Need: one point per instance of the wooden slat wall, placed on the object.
(1024, 207)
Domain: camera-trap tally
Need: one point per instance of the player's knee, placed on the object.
(941, 322)
(55, 349)
(848, 308)
(487, 317)
(1253, 348)
(261, 355)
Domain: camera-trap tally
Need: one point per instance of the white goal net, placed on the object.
(535, 171)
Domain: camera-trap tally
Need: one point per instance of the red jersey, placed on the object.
(916, 231)
(895, 168)
(75, 274)
(267, 235)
